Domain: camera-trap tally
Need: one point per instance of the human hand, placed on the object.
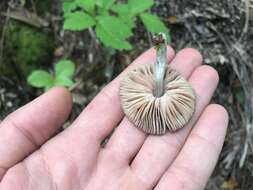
(74, 159)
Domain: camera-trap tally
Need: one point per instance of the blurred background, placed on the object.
(84, 44)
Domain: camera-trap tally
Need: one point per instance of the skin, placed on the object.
(32, 159)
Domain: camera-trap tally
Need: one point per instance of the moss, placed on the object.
(26, 48)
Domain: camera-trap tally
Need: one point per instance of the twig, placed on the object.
(93, 35)
(149, 39)
(3, 36)
(75, 85)
(247, 18)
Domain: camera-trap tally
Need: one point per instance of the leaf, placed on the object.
(113, 32)
(121, 9)
(108, 39)
(69, 6)
(127, 20)
(106, 4)
(78, 21)
(123, 12)
(153, 23)
(139, 6)
(40, 79)
(64, 68)
(102, 12)
(63, 81)
(88, 5)
(231, 184)
(99, 2)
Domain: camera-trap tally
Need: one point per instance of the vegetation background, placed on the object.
(32, 37)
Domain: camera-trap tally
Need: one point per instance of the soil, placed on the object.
(221, 30)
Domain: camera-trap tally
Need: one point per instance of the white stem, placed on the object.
(160, 65)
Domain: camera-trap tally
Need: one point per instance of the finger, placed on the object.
(104, 113)
(197, 159)
(160, 151)
(127, 139)
(24, 130)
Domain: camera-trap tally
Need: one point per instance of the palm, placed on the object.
(132, 160)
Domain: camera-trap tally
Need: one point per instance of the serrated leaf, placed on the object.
(88, 5)
(106, 4)
(102, 12)
(153, 23)
(99, 3)
(123, 12)
(113, 32)
(121, 9)
(69, 6)
(40, 79)
(78, 20)
(63, 81)
(138, 6)
(110, 40)
(129, 21)
(64, 68)
(114, 25)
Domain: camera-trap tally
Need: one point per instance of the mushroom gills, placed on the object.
(155, 115)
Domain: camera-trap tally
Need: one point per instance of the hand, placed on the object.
(74, 160)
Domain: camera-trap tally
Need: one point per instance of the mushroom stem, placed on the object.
(160, 65)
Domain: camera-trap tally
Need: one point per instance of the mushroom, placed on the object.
(155, 97)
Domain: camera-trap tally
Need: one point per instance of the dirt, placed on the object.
(221, 30)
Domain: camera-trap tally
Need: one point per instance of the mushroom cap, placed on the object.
(153, 114)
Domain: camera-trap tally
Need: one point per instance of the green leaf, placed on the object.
(129, 21)
(138, 6)
(153, 23)
(63, 81)
(40, 79)
(113, 32)
(121, 9)
(88, 5)
(78, 21)
(123, 12)
(102, 12)
(99, 3)
(106, 4)
(69, 6)
(64, 68)
(114, 25)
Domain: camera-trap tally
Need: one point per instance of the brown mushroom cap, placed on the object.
(156, 114)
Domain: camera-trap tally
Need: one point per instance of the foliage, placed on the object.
(112, 21)
(25, 47)
(63, 73)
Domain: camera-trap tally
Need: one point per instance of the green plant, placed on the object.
(113, 22)
(25, 47)
(62, 76)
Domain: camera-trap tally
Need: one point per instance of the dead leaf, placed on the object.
(27, 17)
(172, 19)
(230, 184)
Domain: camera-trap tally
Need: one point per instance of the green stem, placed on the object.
(160, 65)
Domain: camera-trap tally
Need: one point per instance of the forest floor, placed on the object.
(221, 30)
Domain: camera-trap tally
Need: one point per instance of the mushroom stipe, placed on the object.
(157, 114)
